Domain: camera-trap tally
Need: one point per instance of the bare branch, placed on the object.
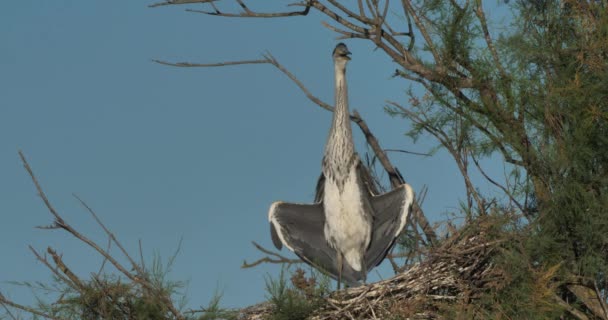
(141, 256)
(59, 262)
(53, 269)
(58, 220)
(247, 13)
(171, 2)
(394, 265)
(501, 187)
(5, 302)
(573, 311)
(134, 265)
(345, 34)
(408, 152)
(278, 258)
(484, 26)
(600, 299)
(300, 85)
(8, 311)
(360, 17)
(208, 65)
(455, 151)
(407, 5)
(103, 263)
(336, 17)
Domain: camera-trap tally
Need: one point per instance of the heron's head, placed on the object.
(341, 53)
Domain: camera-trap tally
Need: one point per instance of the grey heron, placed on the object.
(348, 230)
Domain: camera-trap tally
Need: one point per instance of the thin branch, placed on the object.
(408, 152)
(134, 265)
(247, 265)
(58, 220)
(59, 262)
(360, 17)
(141, 256)
(300, 85)
(54, 269)
(244, 6)
(380, 21)
(394, 265)
(8, 311)
(103, 263)
(407, 5)
(459, 95)
(172, 2)
(370, 7)
(208, 65)
(247, 13)
(336, 17)
(278, 258)
(573, 311)
(505, 190)
(5, 302)
(454, 151)
(410, 30)
(361, 10)
(484, 26)
(345, 34)
(600, 299)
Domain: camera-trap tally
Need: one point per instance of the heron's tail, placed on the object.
(353, 257)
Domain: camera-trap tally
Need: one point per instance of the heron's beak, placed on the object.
(347, 55)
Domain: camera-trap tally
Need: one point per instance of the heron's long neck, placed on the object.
(339, 150)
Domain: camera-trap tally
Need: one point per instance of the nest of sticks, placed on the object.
(457, 271)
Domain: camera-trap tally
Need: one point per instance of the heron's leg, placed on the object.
(340, 264)
(364, 269)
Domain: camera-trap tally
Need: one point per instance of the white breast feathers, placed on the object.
(346, 228)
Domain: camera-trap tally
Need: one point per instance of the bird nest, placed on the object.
(457, 271)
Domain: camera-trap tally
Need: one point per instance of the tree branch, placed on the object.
(247, 13)
(170, 2)
(278, 258)
(5, 302)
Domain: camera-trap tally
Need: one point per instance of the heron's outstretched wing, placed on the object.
(390, 212)
(300, 227)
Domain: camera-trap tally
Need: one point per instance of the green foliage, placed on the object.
(564, 49)
(539, 98)
(299, 298)
(109, 296)
(215, 312)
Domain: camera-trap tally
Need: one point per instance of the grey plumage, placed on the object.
(348, 230)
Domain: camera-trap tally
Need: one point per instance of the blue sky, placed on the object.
(163, 153)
